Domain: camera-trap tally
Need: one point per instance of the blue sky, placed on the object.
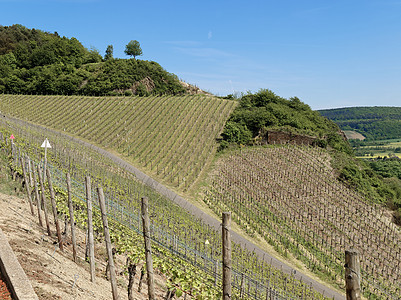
(328, 53)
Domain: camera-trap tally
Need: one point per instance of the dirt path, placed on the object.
(52, 273)
(197, 212)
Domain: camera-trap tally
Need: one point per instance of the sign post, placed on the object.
(45, 145)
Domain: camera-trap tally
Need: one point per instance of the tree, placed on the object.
(109, 53)
(133, 48)
(93, 56)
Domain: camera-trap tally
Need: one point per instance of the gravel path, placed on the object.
(197, 212)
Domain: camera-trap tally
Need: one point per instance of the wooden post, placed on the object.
(108, 243)
(131, 272)
(226, 238)
(215, 271)
(27, 185)
(30, 171)
(90, 227)
(35, 185)
(242, 289)
(148, 248)
(54, 209)
(352, 275)
(70, 208)
(42, 189)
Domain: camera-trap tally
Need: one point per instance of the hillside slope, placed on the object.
(258, 113)
(290, 197)
(53, 274)
(375, 123)
(175, 225)
(174, 139)
(37, 62)
(171, 138)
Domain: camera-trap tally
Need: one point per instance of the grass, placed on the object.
(379, 148)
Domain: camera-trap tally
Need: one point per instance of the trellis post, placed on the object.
(148, 249)
(108, 244)
(226, 238)
(352, 275)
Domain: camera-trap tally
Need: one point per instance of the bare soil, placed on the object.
(53, 273)
(353, 135)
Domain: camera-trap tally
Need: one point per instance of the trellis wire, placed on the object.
(255, 289)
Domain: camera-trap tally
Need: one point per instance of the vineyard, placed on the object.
(172, 138)
(191, 266)
(290, 197)
(287, 196)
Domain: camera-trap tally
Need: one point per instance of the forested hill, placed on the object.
(375, 123)
(37, 62)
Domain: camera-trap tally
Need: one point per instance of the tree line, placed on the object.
(375, 123)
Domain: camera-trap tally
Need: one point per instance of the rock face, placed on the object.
(192, 89)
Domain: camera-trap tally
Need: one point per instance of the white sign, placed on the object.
(46, 144)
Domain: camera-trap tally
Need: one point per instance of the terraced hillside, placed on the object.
(171, 138)
(181, 253)
(290, 197)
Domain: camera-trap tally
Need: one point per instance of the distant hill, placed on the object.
(37, 62)
(375, 123)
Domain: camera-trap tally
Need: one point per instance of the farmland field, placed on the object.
(353, 135)
(171, 138)
(287, 196)
(379, 148)
(179, 237)
(290, 197)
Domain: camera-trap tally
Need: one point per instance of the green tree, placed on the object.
(133, 48)
(109, 53)
(93, 56)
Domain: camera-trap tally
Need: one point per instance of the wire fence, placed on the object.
(254, 271)
(246, 286)
(251, 288)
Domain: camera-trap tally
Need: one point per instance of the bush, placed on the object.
(265, 110)
(37, 62)
(236, 133)
(141, 90)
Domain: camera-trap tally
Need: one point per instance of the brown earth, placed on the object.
(353, 135)
(52, 273)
